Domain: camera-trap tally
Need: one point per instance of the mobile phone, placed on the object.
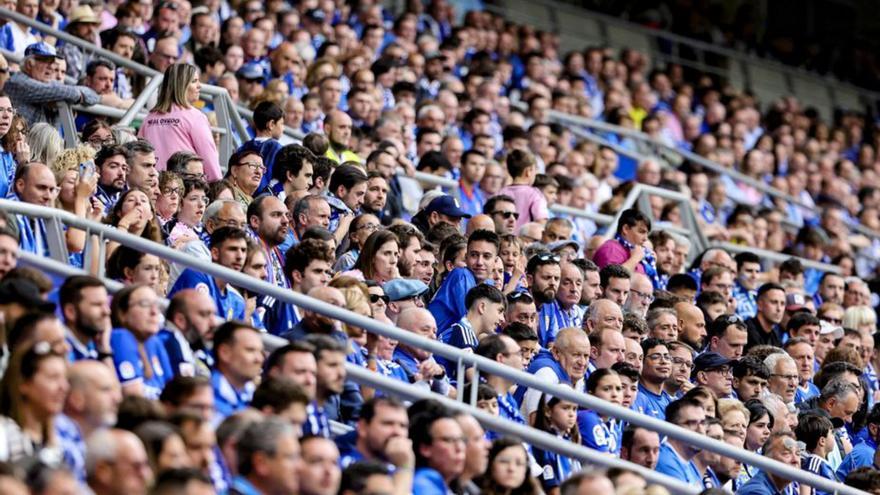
(87, 169)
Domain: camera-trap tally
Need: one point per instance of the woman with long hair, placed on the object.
(361, 228)
(32, 395)
(378, 260)
(133, 213)
(78, 183)
(141, 362)
(45, 142)
(508, 472)
(131, 266)
(175, 124)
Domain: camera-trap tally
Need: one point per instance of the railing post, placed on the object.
(56, 240)
(68, 125)
(222, 113)
(141, 100)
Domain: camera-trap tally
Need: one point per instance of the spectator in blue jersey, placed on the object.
(745, 291)
(269, 460)
(780, 446)
(656, 369)
(816, 432)
(313, 323)
(346, 191)
(307, 265)
(419, 364)
(542, 277)
(85, 306)
(292, 172)
(640, 446)
(485, 314)
(676, 456)
(526, 338)
(296, 361)
(521, 309)
(281, 397)
(439, 446)
(565, 362)
(34, 184)
(228, 249)
(616, 283)
(238, 361)
(727, 335)
(381, 435)
(506, 351)
(599, 431)
(319, 471)
(112, 169)
(604, 314)
(403, 293)
(862, 455)
(801, 351)
(707, 461)
(138, 355)
(268, 128)
(330, 359)
(473, 167)
(189, 319)
(448, 304)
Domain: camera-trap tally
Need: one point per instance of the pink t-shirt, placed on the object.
(530, 203)
(612, 252)
(182, 129)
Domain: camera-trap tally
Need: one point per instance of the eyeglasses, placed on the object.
(730, 319)
(644, 296)
(723, 370)
(508, 214)
(372, 227)
(833, 321)
(97, 141)
(682, 362)
(172, 191)
(228, 222)
(198, 199)
(9, 109)
(516, 296)
(254, 166)
(146, 304)
(374, 298)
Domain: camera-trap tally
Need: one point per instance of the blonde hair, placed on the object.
(727, 405)
(45, 143)
(857, 316)
(173, 89)
(70, 159)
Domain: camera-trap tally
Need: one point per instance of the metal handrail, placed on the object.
(477, 363)
(410, 392)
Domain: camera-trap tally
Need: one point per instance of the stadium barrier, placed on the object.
(477, 364)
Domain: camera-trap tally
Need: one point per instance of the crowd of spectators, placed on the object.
(125, 395)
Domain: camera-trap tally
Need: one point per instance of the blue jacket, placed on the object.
(760, 484)
(544, 359)
(428, 481)
(448, 304)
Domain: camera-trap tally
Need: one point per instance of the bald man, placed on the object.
(418, 363)
(337, 128)
(603, 313)
(94, 397)
(531, 232)
(691, 325)
(480, 222)
(35, 184)
(567, 361)
(717, 257)
(189, 324)
(317, 323)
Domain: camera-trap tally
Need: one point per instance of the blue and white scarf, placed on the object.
(649, 263)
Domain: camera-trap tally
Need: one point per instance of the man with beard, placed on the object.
(86, 309)
(764, 328)
(641, 295)
(228, 249)
(679, 381)
(652, 399)
(381, 435)
(189, 319)
(592, 288)
(543, 274)
(377, 193)
(385, 161)
(267, 218)
(348, 186)
(677, 456)
(410, 241)
(337, 127)
(112, 169)
(691, 325)
(664, 251)
(331, 393)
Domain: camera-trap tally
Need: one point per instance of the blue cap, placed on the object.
(251, 70)
(40, 49)
(711, 361)
(403, 288)
(446, 205)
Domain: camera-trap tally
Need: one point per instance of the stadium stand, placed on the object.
(438, 256)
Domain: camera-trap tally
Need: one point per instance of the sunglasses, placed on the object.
(731, 319)
(374, 298)
(508, 214)
(516, 296)
(548, 257)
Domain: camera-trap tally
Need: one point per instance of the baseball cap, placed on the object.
(316, 15)
(26, 293)
(710, 361)
(446, 205)
(796, 302)
(826, 328)
(40, 49)
(403, 288)
(250, 71)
